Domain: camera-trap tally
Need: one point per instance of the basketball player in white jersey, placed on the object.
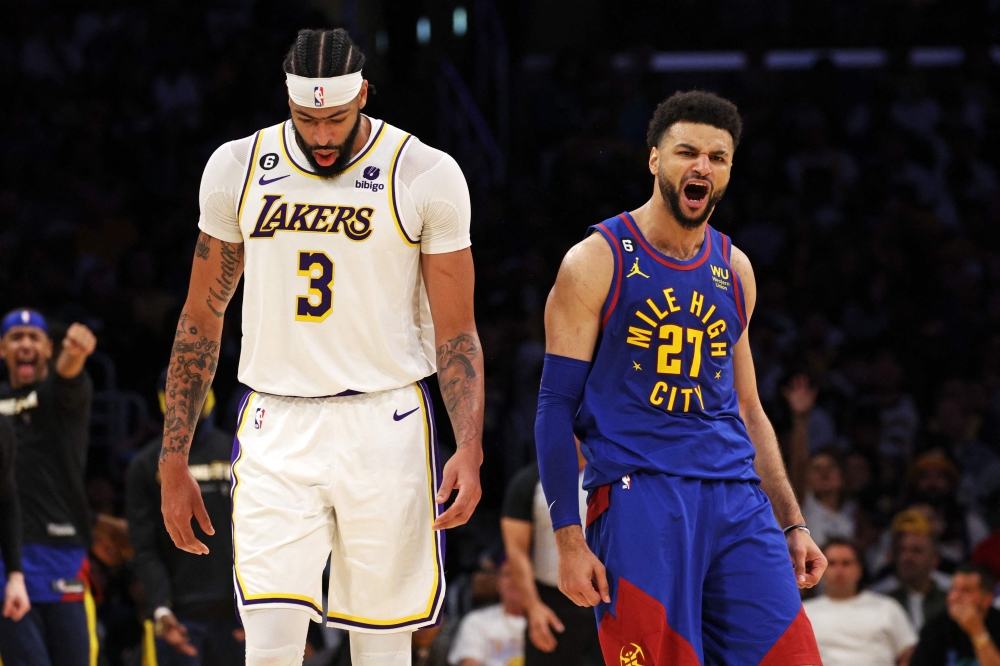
(352, 238)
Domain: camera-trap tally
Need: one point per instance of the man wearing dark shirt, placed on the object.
(558, 632)
(50, 411)
(968, 634)
(15, 599)
(189, 598)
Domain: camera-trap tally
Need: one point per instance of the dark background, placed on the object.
(867, 198)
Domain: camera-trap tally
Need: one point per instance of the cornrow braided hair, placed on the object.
(323, 53)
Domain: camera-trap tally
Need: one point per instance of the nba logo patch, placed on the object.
(626, 481)
(258, 418)
(318, 96)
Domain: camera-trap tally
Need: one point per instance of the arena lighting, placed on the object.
(693, 61)
(935, 56)
(459, 22)
(423, 30)
(777, 59)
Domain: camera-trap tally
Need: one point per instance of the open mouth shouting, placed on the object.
(325, 157)
(695, 193)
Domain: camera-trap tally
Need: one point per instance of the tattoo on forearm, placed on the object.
(460, 376)
(193, 361)
(232, 261)
(202, 249)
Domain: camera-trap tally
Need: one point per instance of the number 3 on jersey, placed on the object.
(318, 305)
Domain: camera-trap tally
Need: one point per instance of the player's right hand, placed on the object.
(582, 577)
(541, 621)
(16, 603)
(169, 629)
(180, 500)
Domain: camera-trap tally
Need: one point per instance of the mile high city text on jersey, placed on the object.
(314, 218)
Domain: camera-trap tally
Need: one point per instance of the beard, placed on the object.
(673, 199)
(343, 152)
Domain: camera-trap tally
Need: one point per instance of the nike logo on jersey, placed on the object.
(264, 181)
(396, 416)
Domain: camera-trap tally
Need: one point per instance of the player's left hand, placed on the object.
(79, 341)
(808, 560)
(460, 473)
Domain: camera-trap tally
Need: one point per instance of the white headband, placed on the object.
(324, 93)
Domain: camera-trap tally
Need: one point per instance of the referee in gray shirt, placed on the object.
(559, 632)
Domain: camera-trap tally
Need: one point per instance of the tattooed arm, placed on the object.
(450, 278)
(215, 273)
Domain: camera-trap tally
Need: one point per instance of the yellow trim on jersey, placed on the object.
(427, 614)
(357, 159)
(90, 608)
(149, 644)
(277, 597)
(392, 193)
(258, 139)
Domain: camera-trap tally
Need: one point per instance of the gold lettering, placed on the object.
(656, 310)
(708, 314)
(697, 391)
(638, 337)
(670, 403)
(718, 349)
(716, 328)
(697, 300)
(687, 397)
(655, 396)
(642, 315)
(671, 301)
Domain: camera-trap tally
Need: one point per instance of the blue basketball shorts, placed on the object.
(699, 573)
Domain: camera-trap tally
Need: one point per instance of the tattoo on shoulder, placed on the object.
(461, 384)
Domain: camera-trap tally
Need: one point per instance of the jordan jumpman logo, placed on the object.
(635, 270)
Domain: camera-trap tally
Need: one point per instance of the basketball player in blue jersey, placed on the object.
(352, 239)
(695, 547)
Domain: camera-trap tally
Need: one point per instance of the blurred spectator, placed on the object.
(50, 407)
(987, 553)
(492, 636)
(857, 628)
(15, 600)
(188, 598)
(915, 583)
(980, 477)
(969, 632)
(534, 564)
(932, 482)
(818, 479)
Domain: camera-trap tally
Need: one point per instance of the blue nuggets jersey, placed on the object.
(660, 396)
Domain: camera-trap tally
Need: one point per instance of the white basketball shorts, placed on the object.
(349, 480)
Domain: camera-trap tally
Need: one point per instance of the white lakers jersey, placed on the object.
(333, 295)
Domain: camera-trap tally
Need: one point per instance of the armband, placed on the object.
(563, 380)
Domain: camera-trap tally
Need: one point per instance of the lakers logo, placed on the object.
(631, 655)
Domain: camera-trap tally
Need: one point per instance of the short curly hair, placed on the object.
(695, 106)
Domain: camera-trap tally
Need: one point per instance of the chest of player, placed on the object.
(358, 213)
(676, 326)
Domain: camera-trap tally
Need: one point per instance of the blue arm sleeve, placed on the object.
(559, 398)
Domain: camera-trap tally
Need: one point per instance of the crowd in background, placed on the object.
(867, 200)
